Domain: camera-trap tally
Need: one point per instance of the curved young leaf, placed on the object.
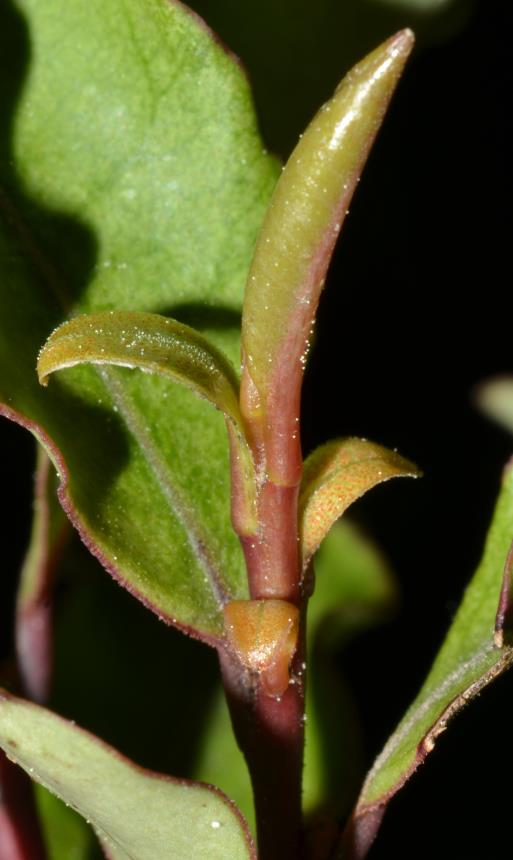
(294, 248)
(470, 658)
(137, 181)
(149, 342)
(334, 476)
(136, 813)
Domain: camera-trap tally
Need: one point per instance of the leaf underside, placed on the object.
(99, 201)
(473, 654)
(136, 813)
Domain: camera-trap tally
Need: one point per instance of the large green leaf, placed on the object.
(473, 654)
(137, 814)
(136, 180)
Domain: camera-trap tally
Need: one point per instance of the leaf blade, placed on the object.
(110, 218)
(145, 814)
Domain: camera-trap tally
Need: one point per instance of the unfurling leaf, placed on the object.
(136, 813)
(473, 654)
(334, 476)
(294, 249)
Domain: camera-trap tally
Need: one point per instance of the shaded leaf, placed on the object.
(34, 606)
(137, 813)
(334, 476)
(136, 181)
(468, 660)
(295, 246)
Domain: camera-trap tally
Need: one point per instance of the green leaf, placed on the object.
(495, 399)
(295, 246)
(470, 658)
(354, 590)
(136, 181)
(137, 814)
(334, 476)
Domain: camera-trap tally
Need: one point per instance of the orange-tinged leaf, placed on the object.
(149, 342)
(334, 476)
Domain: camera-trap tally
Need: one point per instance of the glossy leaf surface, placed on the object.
(334, 476)
(136, 813)
(295, 245)
(136, 181)
(468, 660)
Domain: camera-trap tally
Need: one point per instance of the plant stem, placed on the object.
(270, 733)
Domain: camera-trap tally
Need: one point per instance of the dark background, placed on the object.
(416, 312)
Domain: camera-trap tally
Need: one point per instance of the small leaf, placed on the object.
(468, 660)
(136, 813)
(149, 342)
(294, 248)
(334, 476)
(495, 398)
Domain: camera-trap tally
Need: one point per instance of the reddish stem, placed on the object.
(270, 732)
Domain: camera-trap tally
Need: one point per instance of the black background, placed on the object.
(416, 312)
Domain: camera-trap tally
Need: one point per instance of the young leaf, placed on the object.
(107, 203)
(34, 605)
(334, 476)
(470, 658)
(136, 813)
(294, 248)
(150, 342)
